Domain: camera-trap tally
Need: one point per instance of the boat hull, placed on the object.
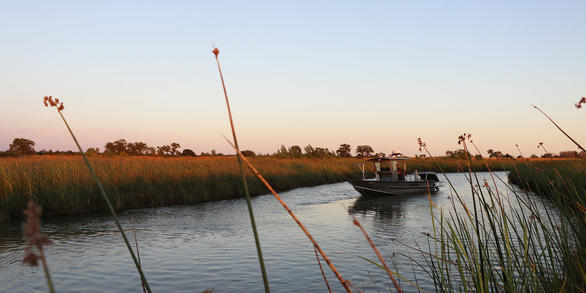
(371, 187)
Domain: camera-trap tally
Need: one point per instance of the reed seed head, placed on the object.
(48, 101)
(579, 104)
(32, 228)
(465, 136)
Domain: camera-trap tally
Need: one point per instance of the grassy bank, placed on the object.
(564, 185)
(62, 184)
(566, 177)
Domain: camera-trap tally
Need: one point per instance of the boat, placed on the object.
(390, 178)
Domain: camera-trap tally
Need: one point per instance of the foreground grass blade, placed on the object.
(322, 270)
(244, 183)
(32, 229)
(380, 257)
(345, 283)
(138, 255)
(49, 101)
(556, 125)
(394, 273)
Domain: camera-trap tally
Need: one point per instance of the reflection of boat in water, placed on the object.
(391, 179)
(381, 206)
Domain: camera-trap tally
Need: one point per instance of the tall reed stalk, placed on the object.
(48, 101)
(244, 183)
(344, 282)
(556, 125)
(322, 270)
(380, 257)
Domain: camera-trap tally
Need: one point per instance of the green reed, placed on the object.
(513, 243)
(244, 182)
(59, 107)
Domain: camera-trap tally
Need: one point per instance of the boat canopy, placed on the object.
(386, 168)
(385, 159)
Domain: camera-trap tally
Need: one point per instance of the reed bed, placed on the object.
(62, 185)
(508, 239)
(566, 177)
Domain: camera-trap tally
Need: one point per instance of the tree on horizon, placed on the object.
(22, 146)
(116, 147)
(344, 151)
(295, 151)
(188, 153)
(364, 151)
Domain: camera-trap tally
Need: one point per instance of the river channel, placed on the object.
(210, 245)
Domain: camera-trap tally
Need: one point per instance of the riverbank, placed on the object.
(567, 177)
(62, 185)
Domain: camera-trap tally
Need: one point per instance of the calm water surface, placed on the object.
(210, 245)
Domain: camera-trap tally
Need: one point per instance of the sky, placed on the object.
(381, 73)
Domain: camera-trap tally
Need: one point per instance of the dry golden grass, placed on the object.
(63, 185)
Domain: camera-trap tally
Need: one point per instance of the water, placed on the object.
(210, 245)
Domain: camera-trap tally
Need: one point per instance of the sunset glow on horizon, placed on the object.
(382, 74)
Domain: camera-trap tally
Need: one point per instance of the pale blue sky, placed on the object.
(317, 72)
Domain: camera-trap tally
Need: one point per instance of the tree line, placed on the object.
(461, 154)
(23, 147)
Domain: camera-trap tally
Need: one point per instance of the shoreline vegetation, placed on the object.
(504, 241)
(62, 185)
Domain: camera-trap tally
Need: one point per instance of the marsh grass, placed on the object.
(62, 185)
(512, 240)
